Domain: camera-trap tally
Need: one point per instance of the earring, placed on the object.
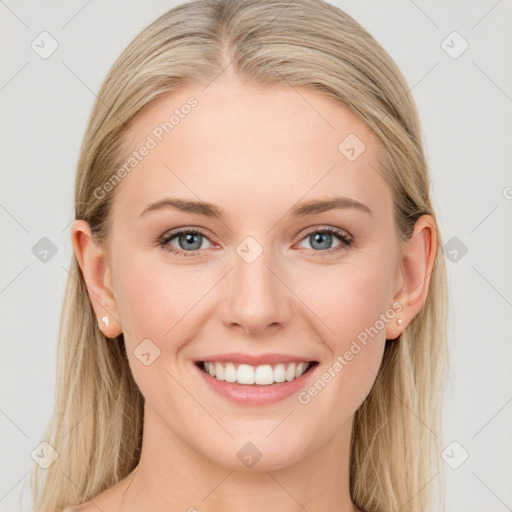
(400, 322)
(106, 321)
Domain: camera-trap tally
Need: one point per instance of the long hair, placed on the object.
(97, 419)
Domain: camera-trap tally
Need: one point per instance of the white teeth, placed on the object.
(290, 372)
(301, 368)
(245, 374)
(230, 372)
(279, 373)
(262, 375)
(219, 371)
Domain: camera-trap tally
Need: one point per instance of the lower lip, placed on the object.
(246, 394)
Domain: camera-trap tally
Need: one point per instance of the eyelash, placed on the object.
(346, 240)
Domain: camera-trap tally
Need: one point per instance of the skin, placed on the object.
(254, 153)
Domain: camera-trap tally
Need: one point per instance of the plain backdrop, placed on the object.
(465, 103)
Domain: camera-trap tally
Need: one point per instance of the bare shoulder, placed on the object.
(107, 501)
(88, 506)
(84, 507)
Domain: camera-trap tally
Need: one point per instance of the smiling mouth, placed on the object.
(262, 375)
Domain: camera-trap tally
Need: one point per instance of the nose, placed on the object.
(255, 298)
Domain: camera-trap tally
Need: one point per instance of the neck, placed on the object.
(172, 474)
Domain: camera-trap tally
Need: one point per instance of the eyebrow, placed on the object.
(299, 210)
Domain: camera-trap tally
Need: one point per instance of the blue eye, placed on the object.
(322, 239)
(190, 241)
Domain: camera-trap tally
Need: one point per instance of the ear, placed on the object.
(417, 261)
(93, 262)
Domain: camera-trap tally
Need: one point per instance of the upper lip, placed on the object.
(253, 359)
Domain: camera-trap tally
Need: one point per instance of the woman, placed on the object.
(255, 314)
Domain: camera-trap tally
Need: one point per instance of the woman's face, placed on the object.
(270, 279)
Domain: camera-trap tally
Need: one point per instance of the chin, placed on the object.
(255, 453)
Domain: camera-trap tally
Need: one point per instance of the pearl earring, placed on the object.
(106, 321)
(400, 322)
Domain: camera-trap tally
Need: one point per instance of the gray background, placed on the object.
(465, 105)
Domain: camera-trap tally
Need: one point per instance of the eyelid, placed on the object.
(329, 229)
(187, 229)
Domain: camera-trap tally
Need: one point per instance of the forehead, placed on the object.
(238, 145)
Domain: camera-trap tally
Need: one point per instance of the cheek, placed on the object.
(353, 304)
(158, 300)
(350, 297)
(150, 295)
(158, 307)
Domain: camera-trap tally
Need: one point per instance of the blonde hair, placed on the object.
(97, 419)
